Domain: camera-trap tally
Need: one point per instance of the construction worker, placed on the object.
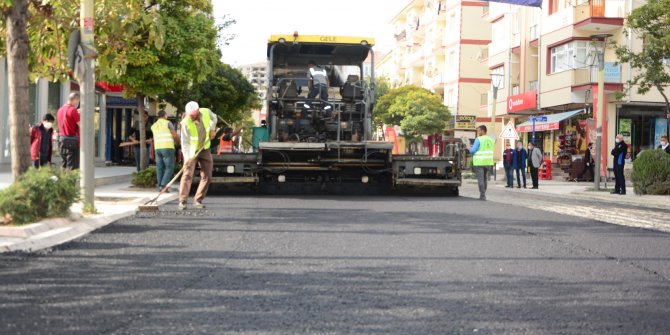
(165, 136)
(226, 145)
(482, 159)
(317, 81)
(197, 130)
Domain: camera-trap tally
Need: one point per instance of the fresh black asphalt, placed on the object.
(344, 265)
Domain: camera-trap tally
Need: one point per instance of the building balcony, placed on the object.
(416, 58)
(585, 78)
(599, 15)
(401, 35)
(435, 81)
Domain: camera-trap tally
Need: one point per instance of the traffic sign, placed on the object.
(539, 119)
(509, 132)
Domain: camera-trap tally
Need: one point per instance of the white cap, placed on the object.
(192, 108)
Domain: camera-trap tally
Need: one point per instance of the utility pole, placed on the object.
(87, 91)
(600, 118)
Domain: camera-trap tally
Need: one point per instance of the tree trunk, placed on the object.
(142, 129)
(17, 74)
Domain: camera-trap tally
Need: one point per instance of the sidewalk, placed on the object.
(584, 190)
(115, 200)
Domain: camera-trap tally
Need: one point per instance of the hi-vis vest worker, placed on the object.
(162, 135)
(318, 75)
(195, 143)
(484, 154)
(225, 147)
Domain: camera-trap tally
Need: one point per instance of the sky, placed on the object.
(258, 19)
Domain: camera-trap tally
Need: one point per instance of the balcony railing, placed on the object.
(599, 8)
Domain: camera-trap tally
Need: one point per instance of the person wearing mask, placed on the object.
(588, 163)
(535, 161)
(317, 81)
(482, 159)
(664, 144)
(197, 131)
(619, 153)
(508, 156)
(41, 143)
(519, 159)
(68, 126)
(135, 138)
(165, 136)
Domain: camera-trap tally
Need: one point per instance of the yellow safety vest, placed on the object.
(484, 155)
(162, 136)
(193, 132)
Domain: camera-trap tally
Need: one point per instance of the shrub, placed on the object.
(651, 173)
(145, 178)
(39, 193)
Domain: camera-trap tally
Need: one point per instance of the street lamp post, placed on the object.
(496, 80)
(600, 52)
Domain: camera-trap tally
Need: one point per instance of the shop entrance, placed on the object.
(638, 124)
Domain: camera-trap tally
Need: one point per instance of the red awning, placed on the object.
(110, 87)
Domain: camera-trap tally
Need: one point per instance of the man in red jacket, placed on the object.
(68, 126)
(41, 144)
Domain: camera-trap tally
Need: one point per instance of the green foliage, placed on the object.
(38, 194)
(145, 178)
(650, 22)
(651, 173)
(416, 110)
(225, 91)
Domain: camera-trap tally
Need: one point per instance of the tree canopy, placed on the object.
(416, 110)
(650, 22)
(225, 91)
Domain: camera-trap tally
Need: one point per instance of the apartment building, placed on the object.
(548, 61)
(256, 74)
(442, 46)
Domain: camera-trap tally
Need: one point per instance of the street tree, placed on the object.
(225, 91)
(416, 110)
(35, 34)
(187, 54)
(651, 23)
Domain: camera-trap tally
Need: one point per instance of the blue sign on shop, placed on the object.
(612, 72)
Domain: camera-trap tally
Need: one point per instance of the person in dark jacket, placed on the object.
(508, 156)
(519, 159)
(588, 163)
(41, 143)
(619, 153)
(664, 145)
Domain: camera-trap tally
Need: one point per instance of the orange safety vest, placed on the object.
(225, 147)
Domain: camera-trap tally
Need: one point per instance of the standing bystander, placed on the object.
(619, 153)
(508, 156)
(68, 128)
(519, 159)
(41, 141)
(535, 161)
(664, 144)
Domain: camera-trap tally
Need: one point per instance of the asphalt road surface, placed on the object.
(345, 265)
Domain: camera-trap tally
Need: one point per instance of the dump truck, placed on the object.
(330, 146)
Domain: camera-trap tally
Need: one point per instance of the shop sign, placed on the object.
(612, 72)
(522, 101)
(466, 122)
(538, 127)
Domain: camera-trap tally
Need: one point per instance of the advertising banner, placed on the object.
(661, 129)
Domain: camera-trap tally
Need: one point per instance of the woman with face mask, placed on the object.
(41, 144)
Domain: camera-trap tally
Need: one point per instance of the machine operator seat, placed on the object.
(351, 90)
(288, 89)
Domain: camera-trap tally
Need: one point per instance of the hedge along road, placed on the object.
(344, 265)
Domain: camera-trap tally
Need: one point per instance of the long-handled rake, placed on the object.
(152, 205)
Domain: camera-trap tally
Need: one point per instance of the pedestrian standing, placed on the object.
(68, 126)
(135, 138)
(41, 141)
(619, 153)
(535, 161)
(165, 136)
(197, 130)
(588, 163)
(482, 159)
(664, 144)
(508, 160)
(519, 159)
